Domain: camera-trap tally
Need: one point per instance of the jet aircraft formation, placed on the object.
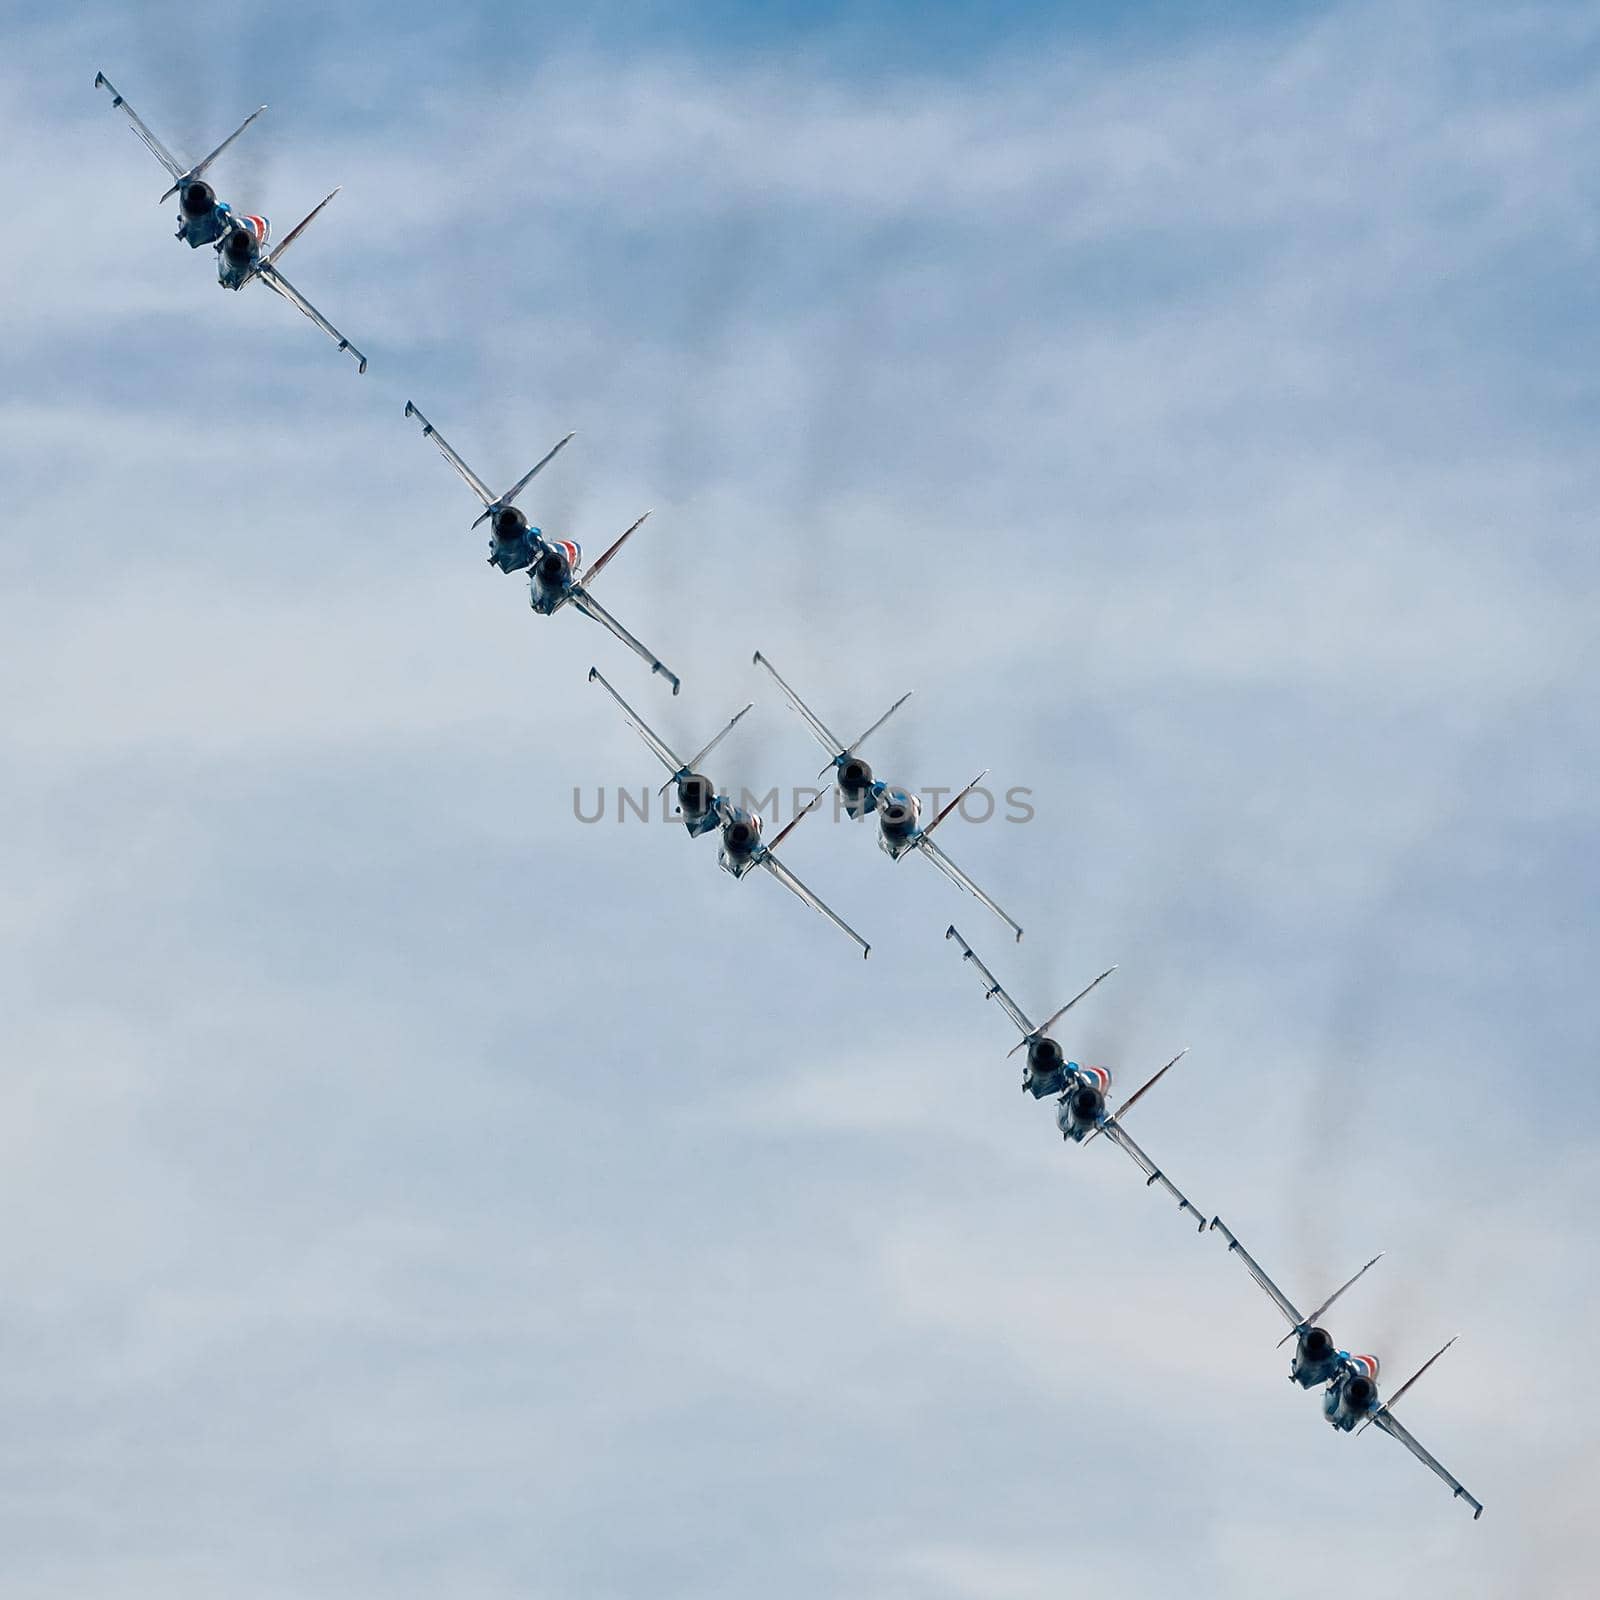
(557, 578)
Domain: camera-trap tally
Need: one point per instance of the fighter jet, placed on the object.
(704, 807)
(1081, 1112)
(898, 810)
(1351, 1393)
(240, 241)
(202, 218)
(552, 565)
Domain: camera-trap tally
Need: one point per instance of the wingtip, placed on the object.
(866, 950)
(410, 409)
(950, 932)
(594, 672)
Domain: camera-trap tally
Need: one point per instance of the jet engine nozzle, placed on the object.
(695, 794)
(855, 776)
(1044, 1057)
(552, 567)
(1316, 1345)
(741, 838)
(897, 816)
(509, 525)
(240, 247)
(1086, 1103)
(198, 198)
(1359, 1393)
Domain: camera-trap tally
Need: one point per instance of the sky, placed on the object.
(407, 1188)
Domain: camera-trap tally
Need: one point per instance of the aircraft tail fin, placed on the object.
(954, 803)
(275, 255)
(527, 477)
(1144, 1088)
(861, 739)
(1055, 1016)
(1349, 1283)
(595, 566)
(794, 821)
(693, 763)
(195, 171)
(1395, 1398)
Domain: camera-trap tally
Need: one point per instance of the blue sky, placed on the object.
(406, 1188)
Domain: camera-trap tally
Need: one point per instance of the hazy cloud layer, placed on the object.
(409, 1189)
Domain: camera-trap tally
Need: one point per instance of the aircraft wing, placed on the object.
(820, 731)
(993, 991)
(151, 143)
(592, 608)
(1268, 1287)
(792, 883)
(961, 880)
(280, 285)
(664, 753)
(1396, 1429)
(1152, 1173)
(468, 476)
